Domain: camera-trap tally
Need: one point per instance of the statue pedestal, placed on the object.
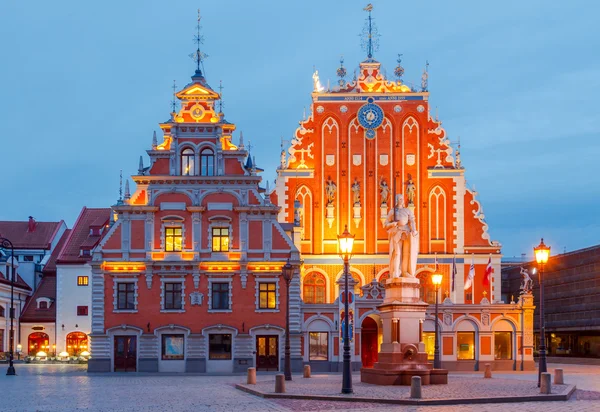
(402, 353)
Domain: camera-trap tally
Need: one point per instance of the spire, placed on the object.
(120, 200)
(458, 163)
(174, 100)
(241, 145)
(198, 56)
(425, 77)
(220, 96)
(370, 34)
(341, 72)
(127, 194)
(154, 141)
(267, 197)
(141, 166)
(399, 70)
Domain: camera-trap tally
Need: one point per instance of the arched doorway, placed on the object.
(369, 345)
(38, 342)
(77, 342)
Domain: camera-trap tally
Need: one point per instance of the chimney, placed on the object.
(31, 226)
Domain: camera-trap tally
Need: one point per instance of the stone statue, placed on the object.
(526, 281)
(283, 160)
(356, 192)
(330, 189)
(410, 191)
(316, 82)
(404, 240)
(384, 190)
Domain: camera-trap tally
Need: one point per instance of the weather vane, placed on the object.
(174, 101)
(198, 56)
(221, 104)
(370, 34)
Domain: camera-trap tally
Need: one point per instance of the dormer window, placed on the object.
(207, 162)
(187, 162)
(43, 303)
(85, 252)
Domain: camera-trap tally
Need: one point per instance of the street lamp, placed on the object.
(346, 241)
(542, 253)
(436, 278)
(5, 243)
(288, 273)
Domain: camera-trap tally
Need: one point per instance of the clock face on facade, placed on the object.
(370, 116)
(197, 112)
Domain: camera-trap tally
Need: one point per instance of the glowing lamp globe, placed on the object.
(346, 241)
(542, 253)
(436, 278)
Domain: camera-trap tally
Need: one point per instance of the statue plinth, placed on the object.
(402, 354)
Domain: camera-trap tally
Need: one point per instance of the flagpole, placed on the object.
(491, 282)
(473, 281)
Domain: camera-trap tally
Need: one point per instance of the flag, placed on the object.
(471, 276)
(488, 273)
(453, 271)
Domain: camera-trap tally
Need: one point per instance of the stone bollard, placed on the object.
(415, 387)
(280, 383)
(307, 371)
(545, 384)
(559, 378)
(488, 371)
(251, 376)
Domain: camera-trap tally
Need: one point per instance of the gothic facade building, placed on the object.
(365, 141)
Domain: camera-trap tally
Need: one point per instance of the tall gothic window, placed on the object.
(314, 288)
(207, 162)
(187, 162)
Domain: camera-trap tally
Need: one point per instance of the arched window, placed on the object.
(38, 342)
(187, 162)
(314, 288)
(207, 162)
(77, 342)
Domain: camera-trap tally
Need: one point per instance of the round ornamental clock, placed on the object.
(370, 117)
(197, 112)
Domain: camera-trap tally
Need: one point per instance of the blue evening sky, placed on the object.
(84, 85)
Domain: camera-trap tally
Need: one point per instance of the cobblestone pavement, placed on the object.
(70, 388)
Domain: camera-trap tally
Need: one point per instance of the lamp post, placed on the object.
(288, 273)
(436, 278)
(542, 253)
(346, 241)
(5, 243)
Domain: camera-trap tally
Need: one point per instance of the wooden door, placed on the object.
(267, 353)
(369, 347)
(125, 353)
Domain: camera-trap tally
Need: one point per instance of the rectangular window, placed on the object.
(503, 345)
(219, 347)
(318, 347)
(220, 296)
(172, 294)
(82, 310)
(468, 297)
(173, 347)
(267, 297)
(27, 258)
(125, 296)
(429, 341)
(82, 281)
(220, 239)
(465, 345)
(173, 239)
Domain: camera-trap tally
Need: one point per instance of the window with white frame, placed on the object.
(207, 162)
(267, 294)
(125, 295)
(220, 239)
(172, 294)
(187, 162)
(173, 238)
(219, 295)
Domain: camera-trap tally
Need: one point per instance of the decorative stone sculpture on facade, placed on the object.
(404, 240)
(526, 282)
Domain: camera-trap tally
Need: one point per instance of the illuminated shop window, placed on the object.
(503, 345)
(429, 341)
(173, 239)
(187, 162)
(465, 345)
(220, 239)
(207, 163)
(318, 346)
(267, 296)
(173, 347)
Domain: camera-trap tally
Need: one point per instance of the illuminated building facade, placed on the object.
(188, 276)
(364, 141)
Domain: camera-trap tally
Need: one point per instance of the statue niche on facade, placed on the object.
(330, 189)
(404, 240)
(411, 189)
